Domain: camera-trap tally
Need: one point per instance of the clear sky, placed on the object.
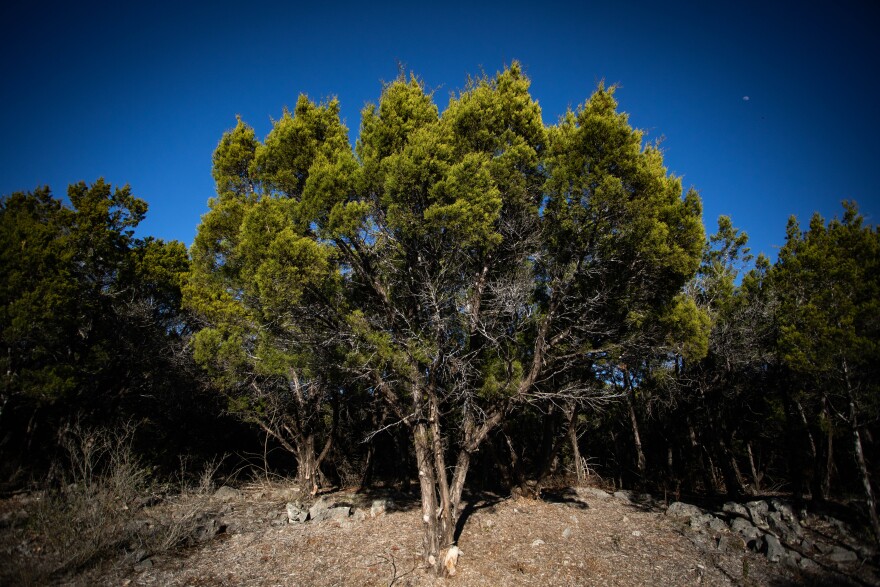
(768, 108)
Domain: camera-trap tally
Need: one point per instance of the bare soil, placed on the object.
(567, 538)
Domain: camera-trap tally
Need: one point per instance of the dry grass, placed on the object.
(99, 517)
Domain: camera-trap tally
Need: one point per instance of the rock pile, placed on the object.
(774, 529)
(337, 508)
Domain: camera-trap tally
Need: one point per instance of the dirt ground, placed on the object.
(567, 538)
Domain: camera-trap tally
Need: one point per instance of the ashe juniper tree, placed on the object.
(457, 265)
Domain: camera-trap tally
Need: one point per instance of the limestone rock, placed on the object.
(785, 510)
(775, 551)
(699, 522)
(380, 507)
(758, 511)
(296, 512)
(717, 525)
(633, 497)
(319, 507)
(791, 558)
(790, 532)
(678, 509)
(291, 493)
(735, 510)
(337, 513)
(701, 540)
(587, 492)
(624, 495)
(752, 536)
(731, 543)
(227, 493)
(842, 555)
(703, 521)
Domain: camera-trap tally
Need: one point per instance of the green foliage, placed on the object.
(688, 327)
(283, 161)
(610, 196)
(38, 297)
(403, 109)
(233, 159)
(618, 229)
(255, 255)
(725, 256)
(828, 278)
(500, 380)
(77, 284)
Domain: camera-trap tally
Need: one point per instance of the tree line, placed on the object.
(466, 298)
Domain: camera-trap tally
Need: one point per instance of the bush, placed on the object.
(103, 510)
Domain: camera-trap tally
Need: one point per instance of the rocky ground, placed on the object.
(273, 535)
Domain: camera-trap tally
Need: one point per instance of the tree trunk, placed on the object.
(733, 479)
(734, 484)
(547, 467)
(504, 469)
(403, 461)
(829, 462)
(580, 469)
(447, 509)
(866, 479)
(756, 477)
(795, 437)
(461, 469)
(427, 485)
(366, 479)
(302, 447)
(860, 456)
(803, 416)
(549, 447)
(367, 476)
(821, 487)
(440, 501)
(307, 464)
(516, 472)
(702, 455)
(713, 476)
(637, 440)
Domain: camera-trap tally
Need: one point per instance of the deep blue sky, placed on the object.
(140, 92)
